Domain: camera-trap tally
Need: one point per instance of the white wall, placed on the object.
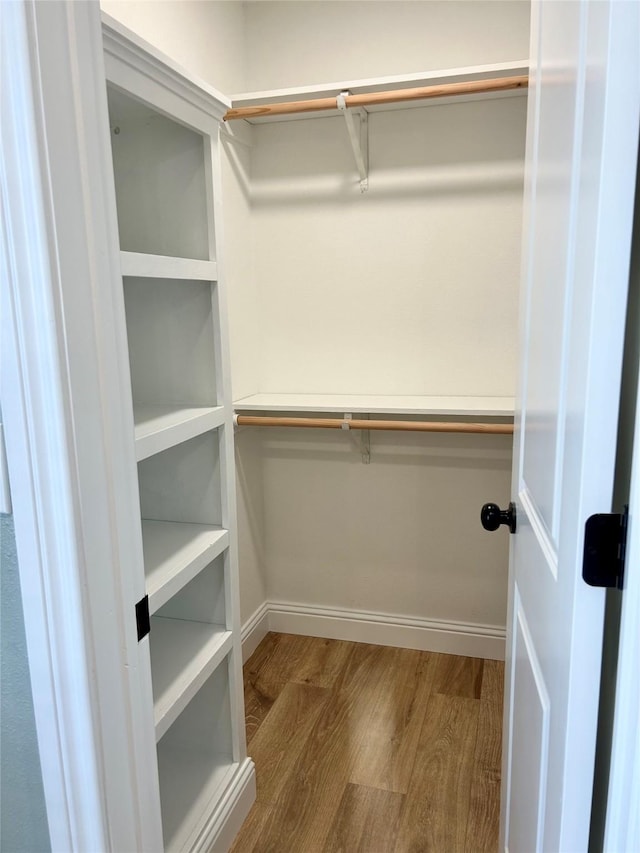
(411, 288)
(23, 814)
(300, 43)
(399, 536)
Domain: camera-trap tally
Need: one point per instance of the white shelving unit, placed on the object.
(164, 138)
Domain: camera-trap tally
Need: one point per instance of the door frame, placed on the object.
(63, 389)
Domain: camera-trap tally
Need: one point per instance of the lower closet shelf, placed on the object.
(184, 654)
(189, 781)
(196, 763)
(174, 553)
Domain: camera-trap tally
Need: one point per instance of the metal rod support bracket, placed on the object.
(358, 137)
(364, 439)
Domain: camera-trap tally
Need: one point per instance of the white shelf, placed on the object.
(190, 780)
(158, 428)
(174, 553)
(183, 656)
(383, 84)
(139, 265)
(502, 407)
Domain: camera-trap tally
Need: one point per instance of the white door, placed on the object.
(581, 156)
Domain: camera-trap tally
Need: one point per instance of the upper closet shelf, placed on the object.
(139, 265)
(383, 93)
(502, 407)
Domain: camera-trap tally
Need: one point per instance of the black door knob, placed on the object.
(492, 517)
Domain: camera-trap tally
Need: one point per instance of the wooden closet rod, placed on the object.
(342, 423)
(369, 99)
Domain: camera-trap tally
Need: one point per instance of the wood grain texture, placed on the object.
(437, 806)
(307, 805)
(389, 716)
(281, 658)
(322, 661)
(277, 745)
(253, 829)
(458, 676)
(404, 426)
(483, 820)
(367, 819)
(371, 748)
(493, 681)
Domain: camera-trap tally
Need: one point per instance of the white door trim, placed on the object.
(62, 394)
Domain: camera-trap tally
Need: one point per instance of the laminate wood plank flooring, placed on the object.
(371, 749)
(367, 819)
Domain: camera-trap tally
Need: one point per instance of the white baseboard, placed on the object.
(254, 630)
(382, 629)
(230, 813)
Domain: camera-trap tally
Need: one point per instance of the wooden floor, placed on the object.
(371, 749)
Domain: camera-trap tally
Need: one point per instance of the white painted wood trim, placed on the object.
(140, 265)
(254, 630)
(67, 462)
(225, 822)
(132, 50)
(502, 407)
(382, 629)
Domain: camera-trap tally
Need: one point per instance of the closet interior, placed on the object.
(369, 256)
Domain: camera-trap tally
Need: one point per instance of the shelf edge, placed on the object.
(170, 436)
(181, 576)
(141, 265)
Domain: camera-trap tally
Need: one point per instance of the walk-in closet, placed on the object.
(309, 306)
(337, 245)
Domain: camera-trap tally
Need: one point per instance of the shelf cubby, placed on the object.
(189, 639)
(174, 553)
(172, 349)
(160, 181)
(195, 761)
(183, 483)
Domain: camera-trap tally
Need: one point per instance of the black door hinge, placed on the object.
(143, 620)
(605, 540)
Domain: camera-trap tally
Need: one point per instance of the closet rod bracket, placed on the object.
(364, 440)
(358, 137)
